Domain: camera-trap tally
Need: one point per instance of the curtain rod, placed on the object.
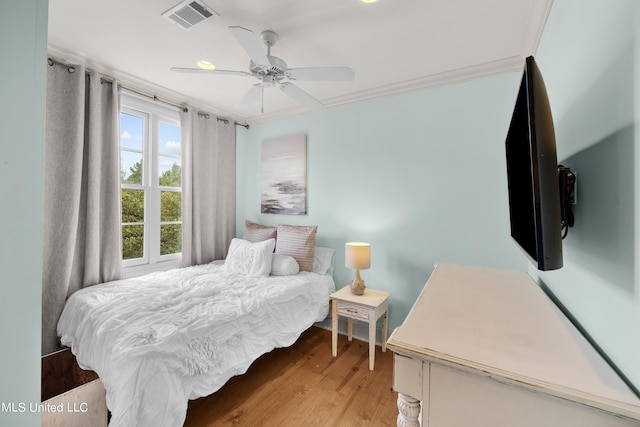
(155, 98)
(182, 107)
(146, 95)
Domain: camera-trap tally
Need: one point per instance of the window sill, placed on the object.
(140, 270)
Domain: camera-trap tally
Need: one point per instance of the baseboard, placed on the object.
(360, 329)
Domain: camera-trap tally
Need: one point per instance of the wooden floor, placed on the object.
(303, 385)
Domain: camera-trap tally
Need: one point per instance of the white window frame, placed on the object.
(153, 113)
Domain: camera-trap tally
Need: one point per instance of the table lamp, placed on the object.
(357, 255)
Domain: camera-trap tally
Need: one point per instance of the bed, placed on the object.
(158, 340)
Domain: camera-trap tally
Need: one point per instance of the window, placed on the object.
(150, 176)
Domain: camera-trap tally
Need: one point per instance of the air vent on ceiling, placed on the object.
(189, 13)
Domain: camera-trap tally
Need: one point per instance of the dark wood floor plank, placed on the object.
(304, 385)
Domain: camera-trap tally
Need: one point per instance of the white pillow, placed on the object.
(284, 265)
(250, 259)
(323, 260)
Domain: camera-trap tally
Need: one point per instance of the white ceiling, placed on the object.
(394, 46)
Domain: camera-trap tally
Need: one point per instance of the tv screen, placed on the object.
(532, 173)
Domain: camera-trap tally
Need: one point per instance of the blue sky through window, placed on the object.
(169, 147)
(132, 142)
(131, 138)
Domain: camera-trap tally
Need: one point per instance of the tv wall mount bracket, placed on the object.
(567, 182)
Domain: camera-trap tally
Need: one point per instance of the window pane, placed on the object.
(132, 205)
(169, 139)
(170, 239)
(132, 241)
(131, 131)
(130, 167)
(170, 206)
(169, 152)
(170, 172)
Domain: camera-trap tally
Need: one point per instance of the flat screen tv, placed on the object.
(532, 173)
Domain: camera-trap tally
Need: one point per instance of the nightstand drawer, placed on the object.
(353, 311)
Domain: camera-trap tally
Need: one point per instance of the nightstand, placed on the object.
(369, 307)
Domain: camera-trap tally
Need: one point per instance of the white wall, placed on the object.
(23, 42)
(421, 176)
(589, 56)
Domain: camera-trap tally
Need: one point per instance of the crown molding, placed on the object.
(510, 64)
(538, 16)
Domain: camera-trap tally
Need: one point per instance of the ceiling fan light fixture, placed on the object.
(205, 65)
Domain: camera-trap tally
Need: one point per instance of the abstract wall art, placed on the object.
(284, 176)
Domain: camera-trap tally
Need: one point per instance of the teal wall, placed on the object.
(422, 177)
(23, 44)
(590, 56)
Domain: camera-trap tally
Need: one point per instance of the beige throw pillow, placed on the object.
(298, 241)
(255, 232)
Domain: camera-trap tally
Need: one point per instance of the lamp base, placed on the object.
(357, 286)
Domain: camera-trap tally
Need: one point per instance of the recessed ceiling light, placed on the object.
(368, 1)
(206, 65)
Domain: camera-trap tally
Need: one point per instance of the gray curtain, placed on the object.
(82, 189)
(208, 186)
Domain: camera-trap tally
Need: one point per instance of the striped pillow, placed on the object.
(254, 232)
(299, 242)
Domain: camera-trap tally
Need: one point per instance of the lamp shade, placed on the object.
(357, 255)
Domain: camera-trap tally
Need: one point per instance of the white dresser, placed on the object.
(484, 347)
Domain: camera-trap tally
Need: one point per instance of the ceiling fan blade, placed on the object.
(251, 97)
(201, 71)
(251, 45)
(321, 73)
(301, 96)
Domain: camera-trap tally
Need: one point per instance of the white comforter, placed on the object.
(161, 339)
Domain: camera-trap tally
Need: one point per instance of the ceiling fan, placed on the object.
(272, 71)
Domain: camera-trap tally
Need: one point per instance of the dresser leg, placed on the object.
(408, 411)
